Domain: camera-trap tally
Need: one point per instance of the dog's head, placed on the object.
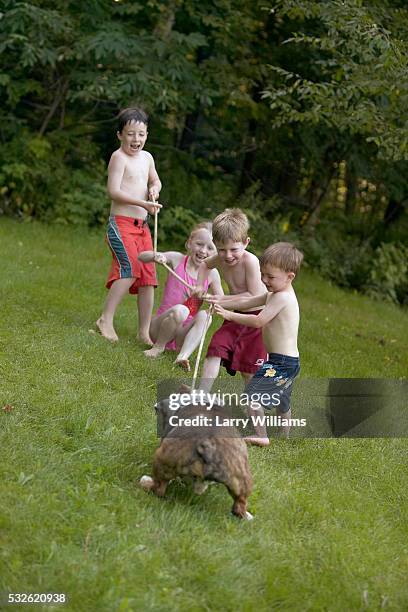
(183, 398)
(185, 402)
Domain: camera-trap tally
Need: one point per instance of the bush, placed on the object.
(348, 262)
(344, 260)
(175, 225)
(49, 178)
(84, 202)
(193, 184)
(389, 273)
(267, 225)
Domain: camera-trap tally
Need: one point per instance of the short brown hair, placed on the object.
(127, 115)
(282, 255)
(232, 224)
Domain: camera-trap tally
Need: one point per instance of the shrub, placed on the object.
(389, 273)
(175, 224)
(49, 178)
(84, 201)
(267, 225)
(343, 260)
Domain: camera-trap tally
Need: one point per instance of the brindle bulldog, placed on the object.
(194, 447)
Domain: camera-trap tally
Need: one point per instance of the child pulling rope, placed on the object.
(172, 319)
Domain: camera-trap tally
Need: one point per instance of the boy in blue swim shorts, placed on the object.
(271, 385)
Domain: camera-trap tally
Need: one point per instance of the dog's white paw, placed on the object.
(199, 487)
(146, 482)
(249, 516)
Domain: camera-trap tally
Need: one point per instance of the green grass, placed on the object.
(330, 528)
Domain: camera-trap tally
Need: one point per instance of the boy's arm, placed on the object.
(273, 308)
(116, 170)
(203, 273)
(215, 285)
(240, 302)
(254, 282)
(256, 292)
(154, 181)
(171, 258)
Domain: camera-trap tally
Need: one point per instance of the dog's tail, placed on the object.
(213, 468)
(206, 450)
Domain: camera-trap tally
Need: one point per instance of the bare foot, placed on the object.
(145, 339)
(155, 351)
(200, 487)
(184, 364)
(257, 441)
(106, 330)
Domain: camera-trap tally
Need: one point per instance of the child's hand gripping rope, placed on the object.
(160, 258)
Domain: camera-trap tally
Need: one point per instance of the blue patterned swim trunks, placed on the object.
(271, 385)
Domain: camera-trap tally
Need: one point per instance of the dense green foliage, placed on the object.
(296, 109)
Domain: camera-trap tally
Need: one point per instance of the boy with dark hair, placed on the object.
(132, 178)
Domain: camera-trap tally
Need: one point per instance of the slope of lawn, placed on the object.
(330, 527)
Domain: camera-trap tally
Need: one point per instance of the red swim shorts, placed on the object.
(127, 237)
(240, 347)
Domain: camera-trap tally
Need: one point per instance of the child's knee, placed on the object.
(180, 313)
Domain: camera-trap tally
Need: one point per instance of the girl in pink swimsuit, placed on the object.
(179, 323)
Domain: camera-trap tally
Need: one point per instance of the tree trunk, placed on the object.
(59, 97)
(351, 184)
(247, 177)
(286, 183)
(393, 211)
(189, 131)
(317, 194)
(166, 22)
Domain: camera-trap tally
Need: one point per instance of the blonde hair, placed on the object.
(207, 225)
(282, 255)
(232, 224)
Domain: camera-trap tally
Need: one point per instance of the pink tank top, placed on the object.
(176, 293)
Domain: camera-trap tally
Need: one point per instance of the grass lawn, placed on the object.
(330, 528)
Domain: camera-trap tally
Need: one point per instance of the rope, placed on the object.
(200, 348)
(155, 230)
(174, 273)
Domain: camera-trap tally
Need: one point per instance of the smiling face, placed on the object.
(200, 246)
(231, 252)
(133, 137)
(276, 279)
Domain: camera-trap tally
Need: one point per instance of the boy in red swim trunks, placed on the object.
(237, 347)
(132, 178)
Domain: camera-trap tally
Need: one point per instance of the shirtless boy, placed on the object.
(237, 347)
(279, 320)
(132, 178)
